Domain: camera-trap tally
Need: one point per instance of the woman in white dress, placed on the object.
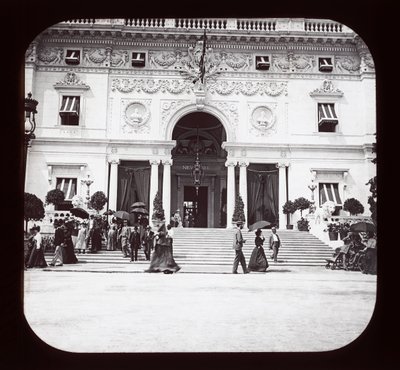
(81, 239)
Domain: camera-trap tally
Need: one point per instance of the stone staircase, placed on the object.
(213, 247)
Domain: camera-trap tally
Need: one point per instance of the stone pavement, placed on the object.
(120, 309)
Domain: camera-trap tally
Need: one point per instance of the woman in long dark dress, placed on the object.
(68, 249)
(258, 261)
(162, 259)
(36, 258)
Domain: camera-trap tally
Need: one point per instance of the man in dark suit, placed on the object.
(274, 244)
(134, 241)
(237, 246)
(148, 242)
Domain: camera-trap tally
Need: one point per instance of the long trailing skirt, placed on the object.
(69, 253)
(36, 258)
(258, 261)
(162, 260)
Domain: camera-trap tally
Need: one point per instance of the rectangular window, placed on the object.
(262, 62)
(73, 57)
(68, 187)
(69, 111)
(327, 118)
(325, 64)
(138, 59)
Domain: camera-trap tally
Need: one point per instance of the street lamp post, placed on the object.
(30, 125)
(312, 186)
(87, 182)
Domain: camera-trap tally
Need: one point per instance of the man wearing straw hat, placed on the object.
(237, 246)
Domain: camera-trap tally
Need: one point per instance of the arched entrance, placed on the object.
(201, 133)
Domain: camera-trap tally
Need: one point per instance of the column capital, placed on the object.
(167, 162)
(230, 163)
(244, 163)
(154, 162)
(282, 164)
(113, 159)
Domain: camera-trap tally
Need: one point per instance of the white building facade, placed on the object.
(283, 102)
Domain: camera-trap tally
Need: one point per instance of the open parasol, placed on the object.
(362, 227)
(123, 215)
(79, 212)
(142, 211)
(138, 205)
(259, 225)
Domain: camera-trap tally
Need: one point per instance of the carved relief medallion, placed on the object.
(136, 115)
(263, 118)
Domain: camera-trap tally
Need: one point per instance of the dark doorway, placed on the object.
(195, 206)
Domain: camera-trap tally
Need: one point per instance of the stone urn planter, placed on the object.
(333, 235)
(157, 223)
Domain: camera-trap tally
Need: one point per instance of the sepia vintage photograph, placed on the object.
(165, 156)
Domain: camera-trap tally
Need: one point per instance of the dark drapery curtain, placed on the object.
(262, 190)
(127, 196)
(253, 193)
(142, 181)
(133, 186)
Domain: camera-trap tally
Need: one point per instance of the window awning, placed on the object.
(325, 62)
(70, 105)
(67, 186)
(263, 60)
(330, 192)
(326, 113)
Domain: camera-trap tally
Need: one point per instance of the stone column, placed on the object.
(230, 192)
(112, 195)
(166, 194)
(243, 187)
(153, 184)
(282, 193)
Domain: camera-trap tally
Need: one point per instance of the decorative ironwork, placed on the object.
(197, 170)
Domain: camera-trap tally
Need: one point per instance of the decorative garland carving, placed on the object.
(71, 79)
(187, 62)
(151, 86)
(347, 64)
(327, 89)
(229, 108)
(96, 56)
(169, 107)
(221, 87)
(51, 55)
(248, 88)
(119, 58)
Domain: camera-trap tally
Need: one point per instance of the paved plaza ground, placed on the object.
(285, 309)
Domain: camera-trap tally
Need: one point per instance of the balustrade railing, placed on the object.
(321, 26)
(218, 24)
(255, 25)
(238, 24)
(81, 21)
(145, 22)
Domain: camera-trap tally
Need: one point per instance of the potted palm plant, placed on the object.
(288, 208)
(238, 212)
(333, 231)
(353, 206)
(158, 216)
